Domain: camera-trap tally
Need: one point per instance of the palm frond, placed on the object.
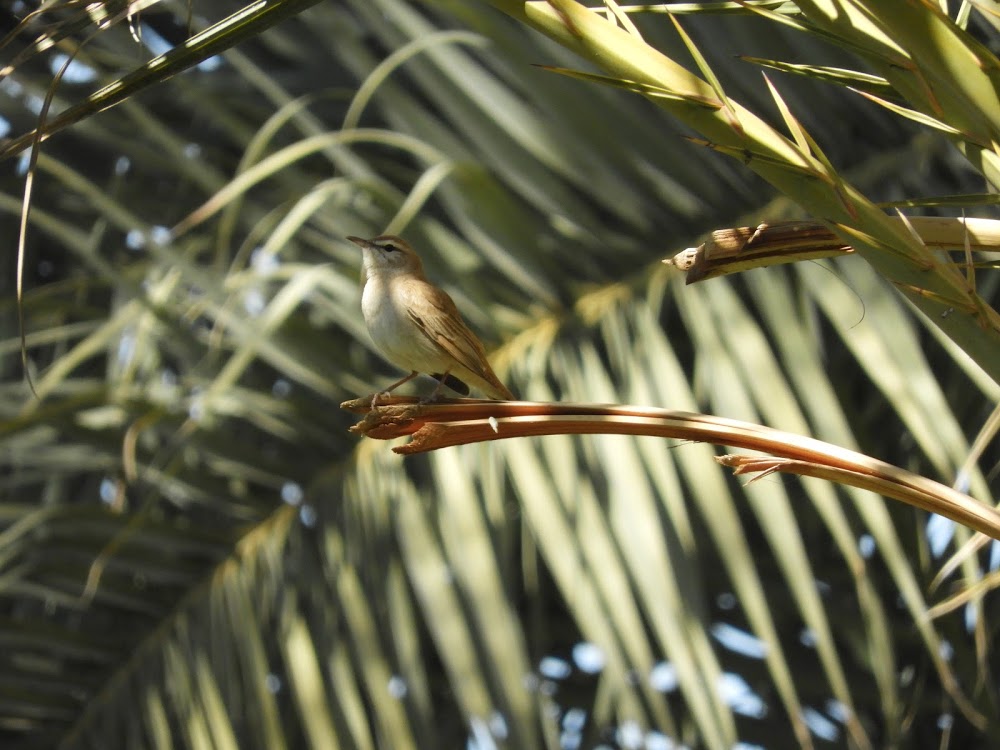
(195, 551)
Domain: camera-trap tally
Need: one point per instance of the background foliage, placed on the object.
(195, 553)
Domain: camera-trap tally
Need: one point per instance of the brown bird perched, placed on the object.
(416, 325)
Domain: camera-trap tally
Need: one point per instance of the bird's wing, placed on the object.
(441, 322)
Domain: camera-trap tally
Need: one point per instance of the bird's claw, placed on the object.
(376, 397)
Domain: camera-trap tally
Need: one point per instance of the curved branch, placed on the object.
(459, 421)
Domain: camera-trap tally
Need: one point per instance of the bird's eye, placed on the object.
(390, 248)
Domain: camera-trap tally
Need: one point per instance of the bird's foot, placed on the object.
(376, 397)
(435, 396)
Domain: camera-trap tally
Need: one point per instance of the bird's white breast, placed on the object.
(398, 338)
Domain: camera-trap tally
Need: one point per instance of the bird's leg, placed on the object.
(437, 389)
(391, 388)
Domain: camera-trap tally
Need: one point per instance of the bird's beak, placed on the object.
(364, 244)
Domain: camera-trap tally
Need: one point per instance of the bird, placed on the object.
(417, 326)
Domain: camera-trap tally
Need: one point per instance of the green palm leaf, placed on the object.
(195, 552)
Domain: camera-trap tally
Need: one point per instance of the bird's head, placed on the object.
(388, 255)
